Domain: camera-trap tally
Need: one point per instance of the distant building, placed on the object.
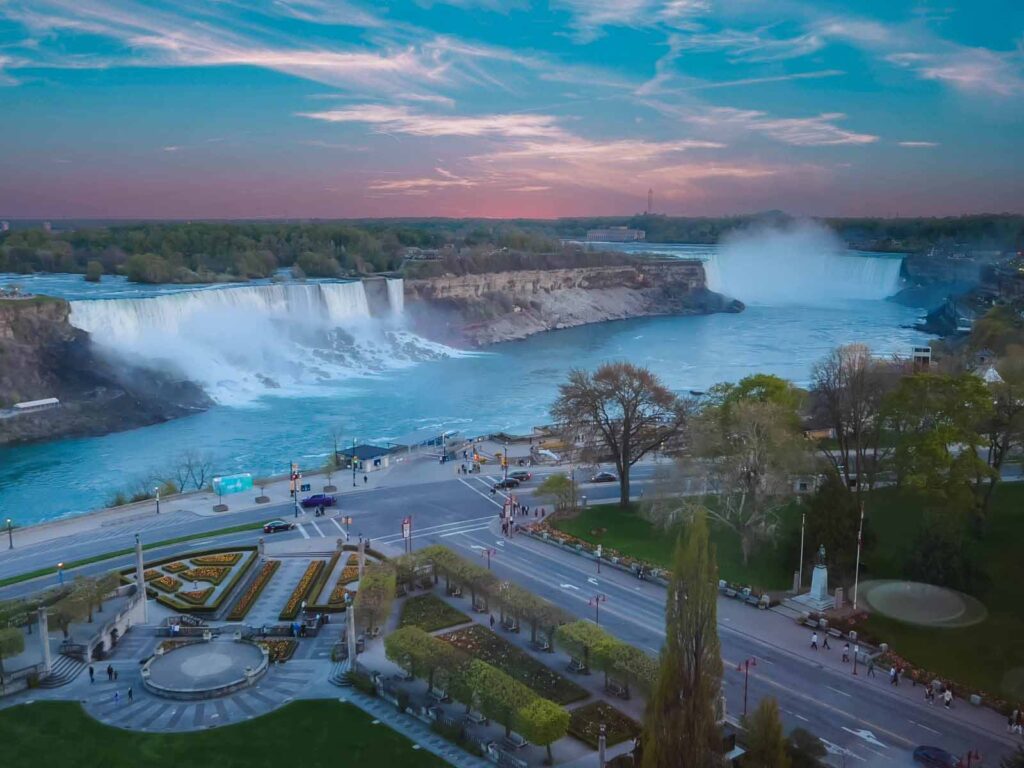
(367, 458)
(615, 235)
(922, 358)
(29, 406)
(5, 226)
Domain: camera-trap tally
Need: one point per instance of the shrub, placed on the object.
(220, 558)
(211, 573)
(175, 567)
(248, 598)
(301, 591)
(362, 682)
(167, 584)
(430, 613)
(195, 596)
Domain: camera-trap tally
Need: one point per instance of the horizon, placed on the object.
(477, 109)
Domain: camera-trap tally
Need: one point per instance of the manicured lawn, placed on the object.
(631, 535)
(545, 682)
(310, 734)
(430, 613)
(585, 724)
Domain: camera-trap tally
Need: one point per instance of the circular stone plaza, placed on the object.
(204, 670)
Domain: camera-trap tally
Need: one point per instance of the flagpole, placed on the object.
(860, 538)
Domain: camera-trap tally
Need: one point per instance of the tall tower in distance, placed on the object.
(650, 200)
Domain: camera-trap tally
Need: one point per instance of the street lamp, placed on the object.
(60, 573)
(10, 534)
(353, 462)
(744, 667)
(800, 570)
(505, 457)
(856, 572)
(488, 551)
(157, 492)
(596, 601)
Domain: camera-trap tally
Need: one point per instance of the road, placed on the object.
(860, 719)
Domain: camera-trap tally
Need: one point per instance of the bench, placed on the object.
(514, 741)
(510, 625)
(479, 607)
(455, 591)
(577, 666)
(439, 696)
(541, 644)
(475, 718)
(617, 689)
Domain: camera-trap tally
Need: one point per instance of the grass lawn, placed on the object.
(480, 642)
(987, 656)
(430, 613)
(631, 535)
(305, 733)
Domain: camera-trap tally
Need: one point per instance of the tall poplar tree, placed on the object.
(680, 729)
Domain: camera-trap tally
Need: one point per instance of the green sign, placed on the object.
(232, 484)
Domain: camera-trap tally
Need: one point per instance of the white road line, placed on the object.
(302, 530)
(841, 693)
(801, 717)
(338, 525)
(431, 530)
(487, 496)
(317, 527)
(467, 530)
(922, 725)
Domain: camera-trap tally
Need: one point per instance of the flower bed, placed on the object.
(195, 596)
(248, 598)
(175, 567)
(430, 613)
(279, 650)
(212, 573)
(585, 724)
(151, 573)
(237, 573)
(349, 574)
(166, 584)
(220, 558)
(301, 591)
(480, 642)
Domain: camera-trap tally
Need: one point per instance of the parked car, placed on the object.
(521, 475)
(318, 500)
(277, 525)
(936, 757)
(511, 482)
(604, 477)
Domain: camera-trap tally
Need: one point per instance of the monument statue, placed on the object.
(821, 555)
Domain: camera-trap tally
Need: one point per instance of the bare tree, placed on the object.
(626, 410)
(849, 387)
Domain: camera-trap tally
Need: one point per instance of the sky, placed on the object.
(509, 108)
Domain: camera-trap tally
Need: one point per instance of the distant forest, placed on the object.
(219, 251)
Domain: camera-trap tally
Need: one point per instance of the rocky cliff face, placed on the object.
(501, 306)
(42, 355)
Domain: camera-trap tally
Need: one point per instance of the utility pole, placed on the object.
(295, 488)
(596, 601)
(856, 573)
(800, 570)
(505, 459)
(353, 462)
(157, 491)
(745, 667)
(10, 533)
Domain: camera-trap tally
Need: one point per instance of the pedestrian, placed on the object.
(492, 621)
(1020, 721)
(947, 698)
(535, 513)
(929, 694)
(824, 641)
(131, 697)
(117, 697)
(115, 675)
(110, 673)
(542, 513)
(92, 674)
(894, 676)
(871, 666)
(814, 641)
(365, 479)
(846, 653)
(195, 585)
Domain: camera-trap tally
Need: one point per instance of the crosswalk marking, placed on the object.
(317, 527)
(302, 530)
(466, 530)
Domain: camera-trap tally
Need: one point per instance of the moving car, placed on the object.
(277, 525)
(604, 477)
(318, 500)
(521, 475)
(936, 757)
(511, 482)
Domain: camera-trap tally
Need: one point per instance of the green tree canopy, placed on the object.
(766, 739)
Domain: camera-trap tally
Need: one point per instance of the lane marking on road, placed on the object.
(841, 693)
(466, 530)
(486, 496)
(435, 529)
(317, 528)
(800, 717)
(867, 735)
(338, 526)
(301, 530)
(592, 580)
(835, 749)
(569, 586)
(922, 725)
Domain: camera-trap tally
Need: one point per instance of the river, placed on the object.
(426, 388)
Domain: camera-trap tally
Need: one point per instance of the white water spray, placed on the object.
(806, 265)
(241, 342)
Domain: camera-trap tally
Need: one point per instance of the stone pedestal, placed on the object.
(44, 638)
(818, 599)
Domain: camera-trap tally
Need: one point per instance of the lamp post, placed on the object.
(744, 666)
(10, 534)
(488, 551)
(800, 570)
(60, 573)
(856, 572)
(505, 459)
(353, 462)
(596, 601)
(856, 650)
(157, 492)
(295, 489)
(599, 551)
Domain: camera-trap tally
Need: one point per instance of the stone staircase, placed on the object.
(64, 670)
(339, 674)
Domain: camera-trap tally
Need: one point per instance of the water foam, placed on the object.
(805, 265)
(243, 342)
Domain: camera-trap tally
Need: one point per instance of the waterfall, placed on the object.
(241, 342)
(396, 295)
(802, 266)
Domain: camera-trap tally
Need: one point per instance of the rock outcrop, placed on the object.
(486, 308)
(43, 355)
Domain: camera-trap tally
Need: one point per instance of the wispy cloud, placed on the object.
(171, 148)
(815, 75)
(969, 69)
(395, 119)
(919, 144)
(754, 46)
(591, 17)
(820, 130)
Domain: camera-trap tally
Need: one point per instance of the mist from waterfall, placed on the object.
(802, 265)
(242, 342)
